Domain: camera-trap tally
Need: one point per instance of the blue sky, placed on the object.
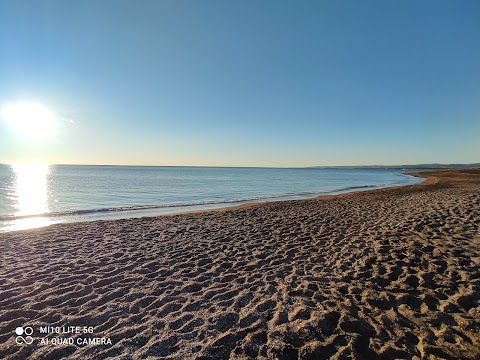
(244, 83)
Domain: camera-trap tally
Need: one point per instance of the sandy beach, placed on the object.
(388, 274)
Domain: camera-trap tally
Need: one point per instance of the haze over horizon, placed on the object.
(251, 83)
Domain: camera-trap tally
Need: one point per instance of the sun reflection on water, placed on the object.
(31, 196)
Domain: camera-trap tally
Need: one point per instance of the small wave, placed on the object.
(192, 203)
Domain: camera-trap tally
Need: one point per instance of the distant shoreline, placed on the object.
(376, 167)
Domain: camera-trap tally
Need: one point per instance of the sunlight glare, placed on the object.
(31, 188)
(31, 192)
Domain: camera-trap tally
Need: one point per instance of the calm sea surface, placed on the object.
(38, 195)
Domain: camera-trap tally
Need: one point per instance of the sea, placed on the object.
(35, 195)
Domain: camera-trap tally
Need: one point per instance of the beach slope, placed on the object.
(389, 274)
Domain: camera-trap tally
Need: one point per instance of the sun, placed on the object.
(29, 119)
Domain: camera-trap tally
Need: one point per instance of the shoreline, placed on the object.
(387, 273)
(45, 220)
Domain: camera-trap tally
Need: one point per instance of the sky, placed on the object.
(240, 83)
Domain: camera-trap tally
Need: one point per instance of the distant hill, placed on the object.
(417, 166)
(444, 166)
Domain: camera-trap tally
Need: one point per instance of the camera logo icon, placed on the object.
(27, 339)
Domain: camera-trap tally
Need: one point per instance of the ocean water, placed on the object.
(38, 195)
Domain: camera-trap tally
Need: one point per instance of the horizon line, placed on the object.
(423, 165)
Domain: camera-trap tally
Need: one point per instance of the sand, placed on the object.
(389, 274)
